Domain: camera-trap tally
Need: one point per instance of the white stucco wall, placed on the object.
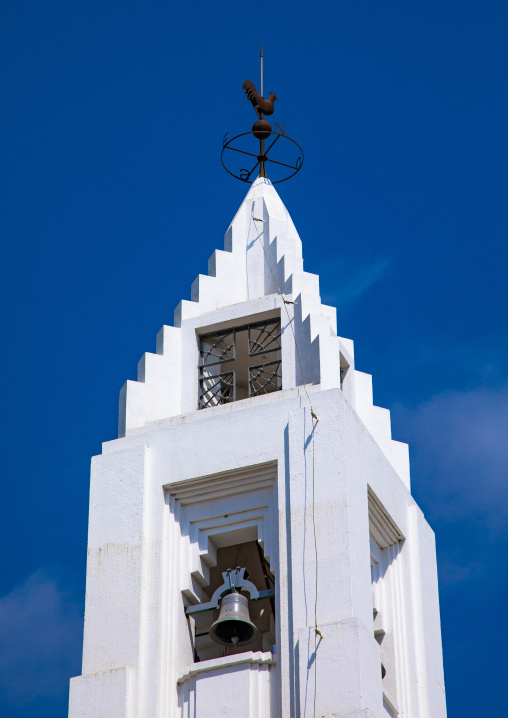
(178, 482)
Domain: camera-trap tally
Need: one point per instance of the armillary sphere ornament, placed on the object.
(285, 162)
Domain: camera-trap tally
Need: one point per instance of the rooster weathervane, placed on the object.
(262, 130)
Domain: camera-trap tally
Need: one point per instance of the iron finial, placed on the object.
(261, 130)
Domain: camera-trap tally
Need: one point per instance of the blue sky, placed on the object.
(113, 197)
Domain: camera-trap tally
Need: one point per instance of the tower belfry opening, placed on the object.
(261, 612)
(240, 362)
(244, 557)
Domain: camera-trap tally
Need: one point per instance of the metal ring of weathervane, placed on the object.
(262, 131)
(261, 159)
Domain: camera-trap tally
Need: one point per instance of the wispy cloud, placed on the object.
(351, 289)
(459, 443)
(459, 472)
(40, 641)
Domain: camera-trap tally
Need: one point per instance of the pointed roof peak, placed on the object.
(260, 186)
(263, 181)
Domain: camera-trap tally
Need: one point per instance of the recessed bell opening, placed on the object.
(233, 627)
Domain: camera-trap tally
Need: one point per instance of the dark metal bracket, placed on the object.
(233, 580)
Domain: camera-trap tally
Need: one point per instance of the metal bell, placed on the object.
(233, 627)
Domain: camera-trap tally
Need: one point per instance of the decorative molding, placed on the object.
(221, 510)
(226, 662)
(381, 526)
(224, 484)
(238, 685)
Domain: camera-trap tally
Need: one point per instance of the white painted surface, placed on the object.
(108, 694)
(179, 483)
(244, 682)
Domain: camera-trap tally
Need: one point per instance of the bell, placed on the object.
(233, 627)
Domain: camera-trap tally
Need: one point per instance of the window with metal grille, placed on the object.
(239, 363)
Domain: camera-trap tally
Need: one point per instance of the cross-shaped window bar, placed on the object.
(240, 363)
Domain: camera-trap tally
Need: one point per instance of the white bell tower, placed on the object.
(250, 443)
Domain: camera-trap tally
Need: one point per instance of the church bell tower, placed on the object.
(254, 550)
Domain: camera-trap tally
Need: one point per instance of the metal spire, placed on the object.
(261, 56)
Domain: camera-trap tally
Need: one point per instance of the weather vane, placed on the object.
(262, 130)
